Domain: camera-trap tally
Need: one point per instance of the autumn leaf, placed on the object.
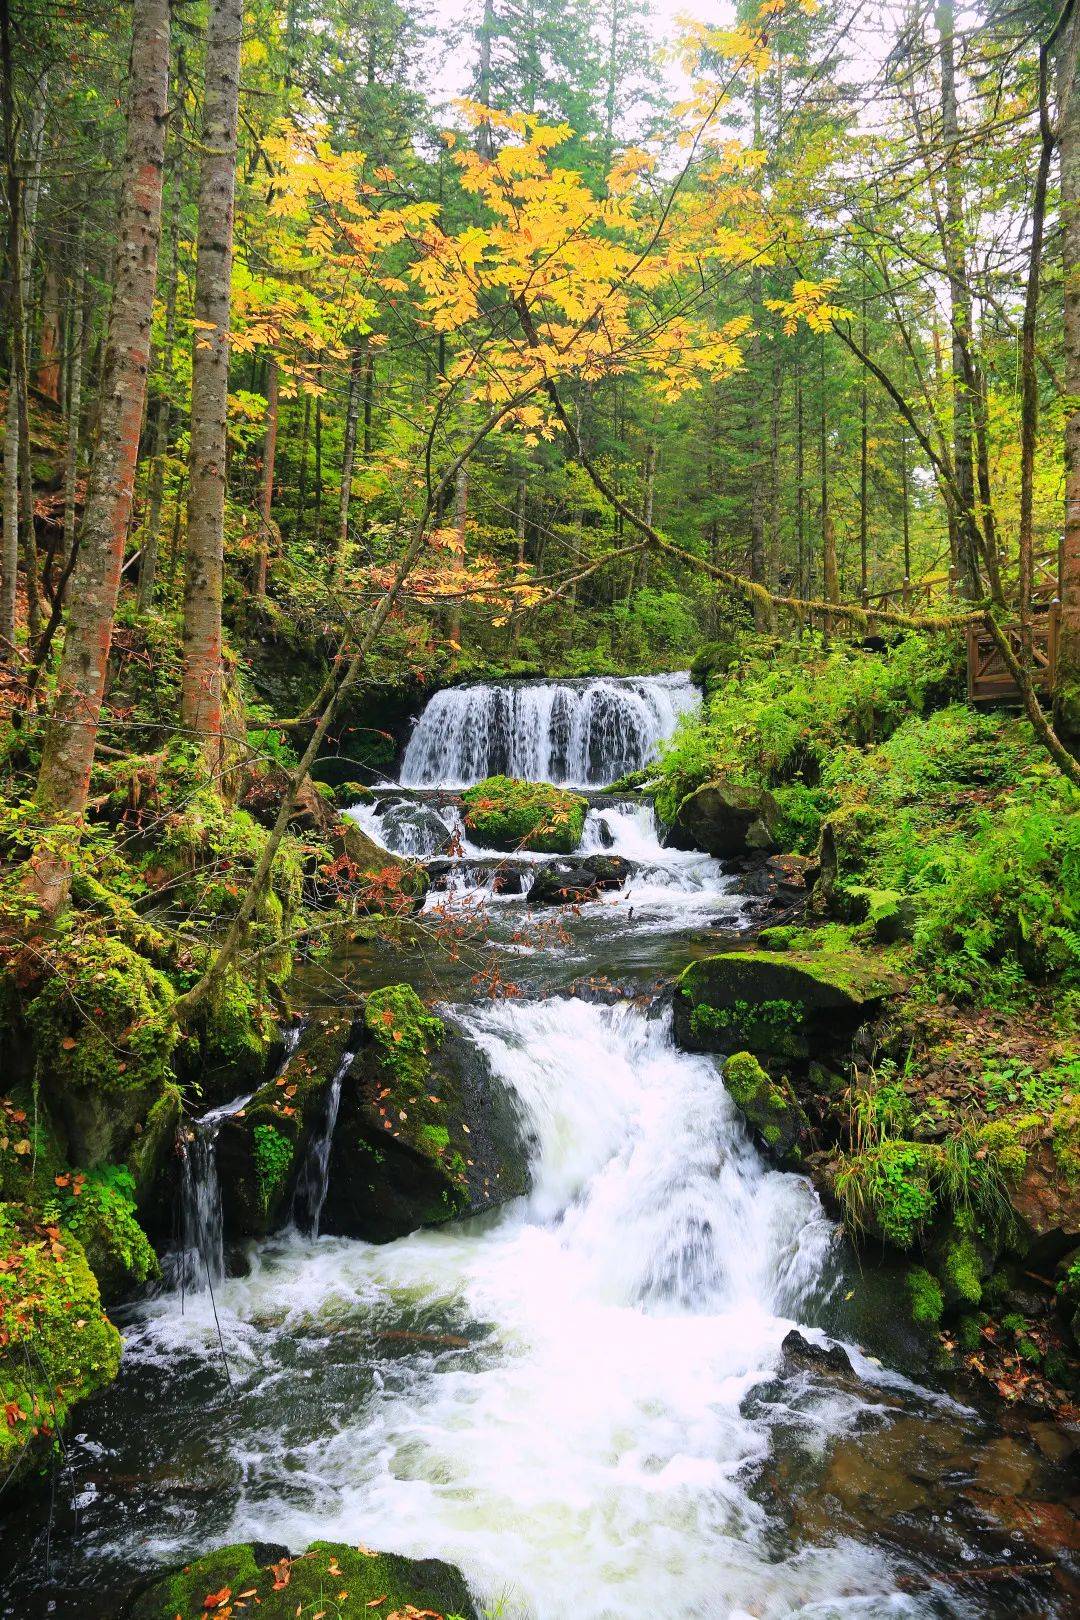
(217, 1600)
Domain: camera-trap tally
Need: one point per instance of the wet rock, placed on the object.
(1047, 1201)
(424, 1133)
(726, 819)
(415, 830)
(777, 1004)
(571, 881)
(769, 1107)
(261, 1148)
(805, 1354)
(350, 1582)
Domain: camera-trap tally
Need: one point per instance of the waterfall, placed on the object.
(310, 1194)
(201, 1258)
(585, 733)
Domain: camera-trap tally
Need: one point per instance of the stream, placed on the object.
(581, 1399)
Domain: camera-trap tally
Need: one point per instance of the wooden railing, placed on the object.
(989, 680)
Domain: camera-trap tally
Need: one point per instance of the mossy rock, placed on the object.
(234, 1038)
(778, 1004)
(505, 814)
(769, 1108)
(347, 794)
(712, 662)
(56, 1344)
(727, 819)
(99, 1210)
(424, 1134)
(261, 1148)
(346, 1582)
(845, 857)
(104, 1030)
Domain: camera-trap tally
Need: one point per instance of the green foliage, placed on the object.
(502, 813)
(99, 1209)
(888, 1190)
(273, 1156)
(777, 719)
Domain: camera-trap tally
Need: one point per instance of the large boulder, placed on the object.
(769, 1107)
(423, 1134)
(727, 819)
(348, 1582)
(568, 882)
(415, 831)
(502, 813)
(778, 1004)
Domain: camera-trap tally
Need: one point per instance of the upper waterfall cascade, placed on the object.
(582, 733)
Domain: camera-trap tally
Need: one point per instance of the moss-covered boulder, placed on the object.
(778, 1004)
(769, 1107)
(727, 819)
(346, 1582)
(260, 1149)
(502, 813)
(56, 1344)
(424, 1133)
(104, 1030)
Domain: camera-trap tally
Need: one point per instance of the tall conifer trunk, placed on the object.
(1067, 691)
(64, 776)
(200, 707)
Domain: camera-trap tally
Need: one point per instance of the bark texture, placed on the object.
(200, 707)
(68, 753)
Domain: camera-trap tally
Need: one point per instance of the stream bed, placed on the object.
(583, 1398)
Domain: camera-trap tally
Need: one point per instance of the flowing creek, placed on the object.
(581, 1398)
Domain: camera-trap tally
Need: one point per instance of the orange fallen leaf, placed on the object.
(217, 1600)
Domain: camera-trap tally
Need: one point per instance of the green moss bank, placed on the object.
(347, 1583)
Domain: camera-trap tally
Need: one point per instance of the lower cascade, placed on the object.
(584, 1434)
(583, 732)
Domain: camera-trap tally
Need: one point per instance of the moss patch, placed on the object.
(768, 1105)
(56, 1344)
(343, 1582)
(505, 814)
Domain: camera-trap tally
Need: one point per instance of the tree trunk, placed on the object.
(348, 463)
(68, 753)
(864, 470)
(515, 615)
(266, 499)
(301, 482)
(22, 210)
(200, 706)
(960, 310)
(1067, 686)
(772, 559)
(461, 515)
(48, 372)
(162, 416)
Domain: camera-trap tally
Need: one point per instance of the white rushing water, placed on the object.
(585, 733)
(591, 1458)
